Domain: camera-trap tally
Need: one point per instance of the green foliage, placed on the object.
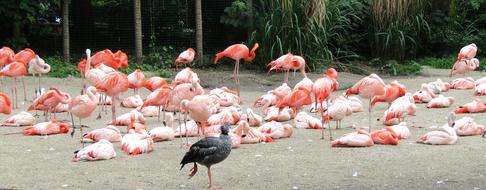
(318, 30)
(21, 16)
(236, 15)
(394, 68)
(443, 63)
(60, 68)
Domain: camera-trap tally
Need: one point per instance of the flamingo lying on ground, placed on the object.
(102, 150)
(476, 106)
(110, 133)
(399, 109)
(401, 130)
(237, 52)
(20, 119)
(464, 65)
(306, 121)
(385, 136)
(441, 102)
(446, 135)
(137, 143)
(276, 130)
(47, 128)
(360, 138)
(463, 83)
(132, 102)
(424, 95)
(466, 126)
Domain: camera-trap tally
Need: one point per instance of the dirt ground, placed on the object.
(303, 161)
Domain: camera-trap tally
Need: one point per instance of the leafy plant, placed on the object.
(61, 68)
(394, 68)
(236, 14)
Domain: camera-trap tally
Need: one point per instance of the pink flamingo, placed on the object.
(113, 60)
(112, 85)
(265, 101)
(6, 56)
(137, 143)
(276, 130)
(424, 95)
(446, 135)
(253, 118)
(38, 66)
(463, 83)
(392, 91)
(322, 88)
(305, 121)
(401, 130)
(14, 70)
(237, 52)
(251, 135)
(185, 91)
(476, 106)
(399, 109)
(126, 118)
(385, 136)
(337, 111)
(5, 106)
(164, 133)
(466, 126)
(186, 57)
(132, 102)
(275, 114)
(467, 52)
(135, 80)
(441, 102)
(306, 83)
(360, 138)
(109, 133)
(154, 83)
(367, 88)
(159, 97)
(20, 119)
(102, 150)
(464, 65)
(185, 76)
(288, 62)
(199, 109)
(49, 101)
(47, 128)
(82, 107)
(24, 56)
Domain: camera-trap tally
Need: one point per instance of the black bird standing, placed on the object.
(209, 151)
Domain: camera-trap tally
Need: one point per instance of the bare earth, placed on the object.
(303, 161)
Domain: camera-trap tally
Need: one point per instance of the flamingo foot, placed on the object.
(214, 187)
(98, 117)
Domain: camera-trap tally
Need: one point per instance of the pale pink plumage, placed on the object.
(360, 138)
(110, 133)
(102, 150)
(305, 121)
(276, 130)
(132, 101)
(20, 119)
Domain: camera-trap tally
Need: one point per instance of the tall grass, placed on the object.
(399, 28)
(311, 28)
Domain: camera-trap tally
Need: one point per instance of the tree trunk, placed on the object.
(65, 30)
(138, 30)
(199, 32)
(249, 4)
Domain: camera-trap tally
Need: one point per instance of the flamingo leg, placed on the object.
(158, 115)
(369, 117)
(25, 91)
(237, 78)
(39, 82)
(81, 131)
(15, 92)
(113, 111)
(329, 127)
(72, 124)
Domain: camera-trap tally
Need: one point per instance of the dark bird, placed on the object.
(209, 151)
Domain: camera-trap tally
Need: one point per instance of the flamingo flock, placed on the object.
(187, 109)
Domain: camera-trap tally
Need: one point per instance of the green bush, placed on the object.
(61, 68)
(394, 68)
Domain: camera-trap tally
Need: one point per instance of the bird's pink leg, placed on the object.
(15, 92)
(237, 79)
(369, 117)
(113, 111)
(193, 170)
(328, 126)
(211, 185)
(25, 91)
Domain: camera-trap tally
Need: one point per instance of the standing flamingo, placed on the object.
(392, 91)
(367, 88)
(82, 106)
(38, 66)
(467, 52)
(237, 52)
(463, 66)
(135, 80)
(289, 62)
(322, 88)
(112, 85)
(186, 57)
(49, 101)
(14, 70)
(199, 109)
(24, 56)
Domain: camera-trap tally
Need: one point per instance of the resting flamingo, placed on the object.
(5, 106)
(135, 80)
(186, 57)
(38, 66)
(237, 52)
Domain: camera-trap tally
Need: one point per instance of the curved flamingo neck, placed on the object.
(252, 54)
(91, 92)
